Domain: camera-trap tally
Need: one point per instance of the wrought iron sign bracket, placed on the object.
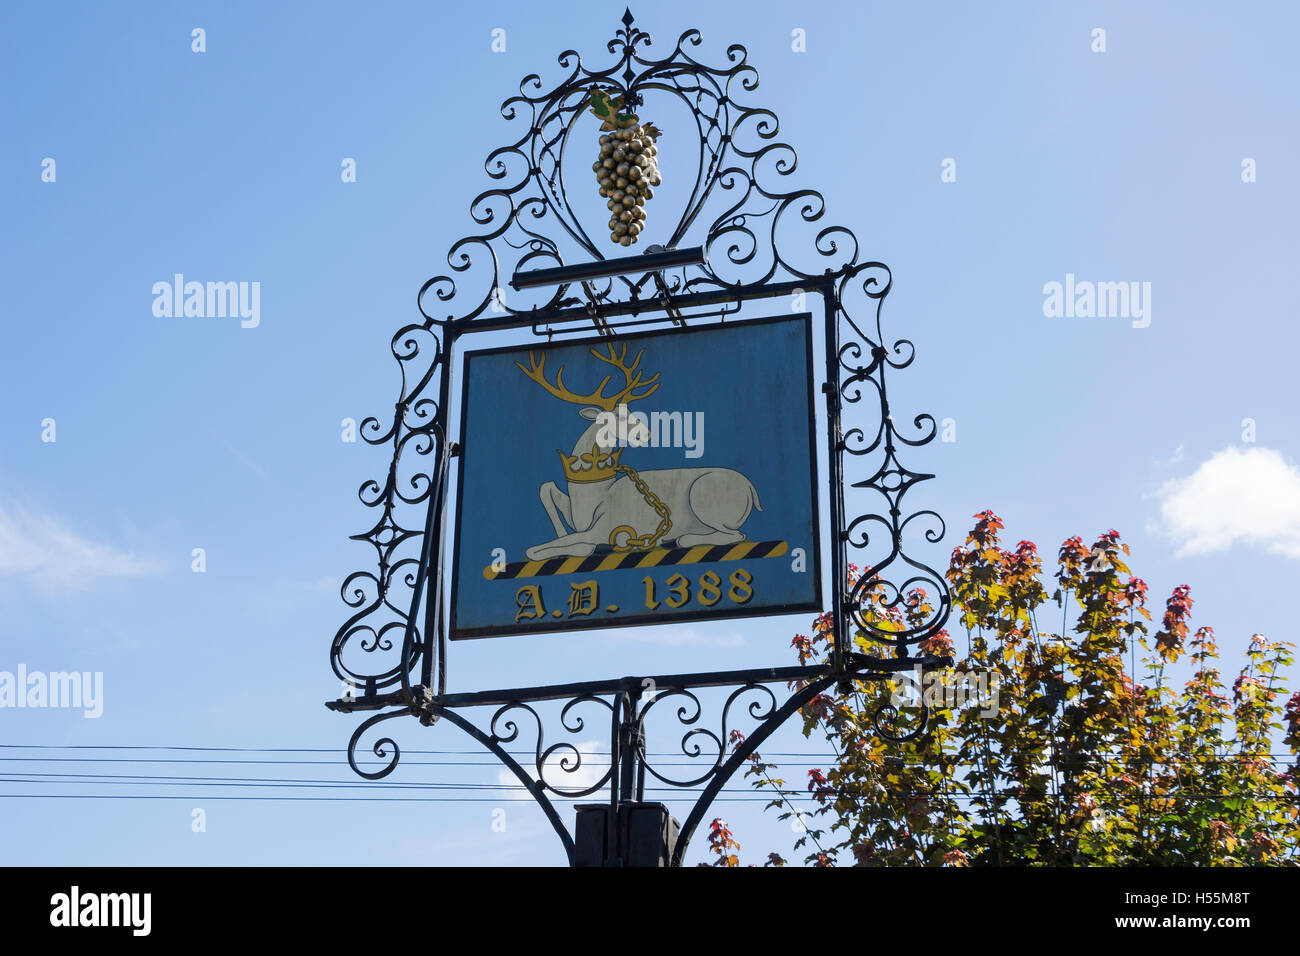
(392, 647)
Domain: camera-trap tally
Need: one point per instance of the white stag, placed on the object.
(603, 506)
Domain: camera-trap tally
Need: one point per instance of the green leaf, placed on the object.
(602, 106)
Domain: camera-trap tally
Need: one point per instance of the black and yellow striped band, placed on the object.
(660, 557)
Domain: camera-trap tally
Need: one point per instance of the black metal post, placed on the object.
(835, 476)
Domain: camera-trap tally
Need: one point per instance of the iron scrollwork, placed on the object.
(863, 360)
(760, 239)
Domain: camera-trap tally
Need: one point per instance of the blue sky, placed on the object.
(176, 434)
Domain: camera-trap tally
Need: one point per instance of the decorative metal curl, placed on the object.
(687, 714)
(887, 718)
(504, 730)
(380, 748)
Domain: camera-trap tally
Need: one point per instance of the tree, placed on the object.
(1064, 758)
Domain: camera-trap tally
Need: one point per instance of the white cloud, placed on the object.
(40, 548)
(1247, 496)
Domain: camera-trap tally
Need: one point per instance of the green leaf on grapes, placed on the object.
(604, 107)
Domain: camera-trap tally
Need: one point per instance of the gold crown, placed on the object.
(593, 466)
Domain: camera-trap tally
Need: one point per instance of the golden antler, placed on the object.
(536, 371)
(633, 382)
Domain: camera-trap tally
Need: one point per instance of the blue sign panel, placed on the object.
(640, 479)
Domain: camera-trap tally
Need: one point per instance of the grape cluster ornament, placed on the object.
(628, 168)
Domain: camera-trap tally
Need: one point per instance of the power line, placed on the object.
(291, 783)
(490, 761)
(332, 750)
(487, 754)
(502, 799)
(227, 796)
(163, 780)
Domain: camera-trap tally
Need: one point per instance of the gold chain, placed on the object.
(642, 542)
